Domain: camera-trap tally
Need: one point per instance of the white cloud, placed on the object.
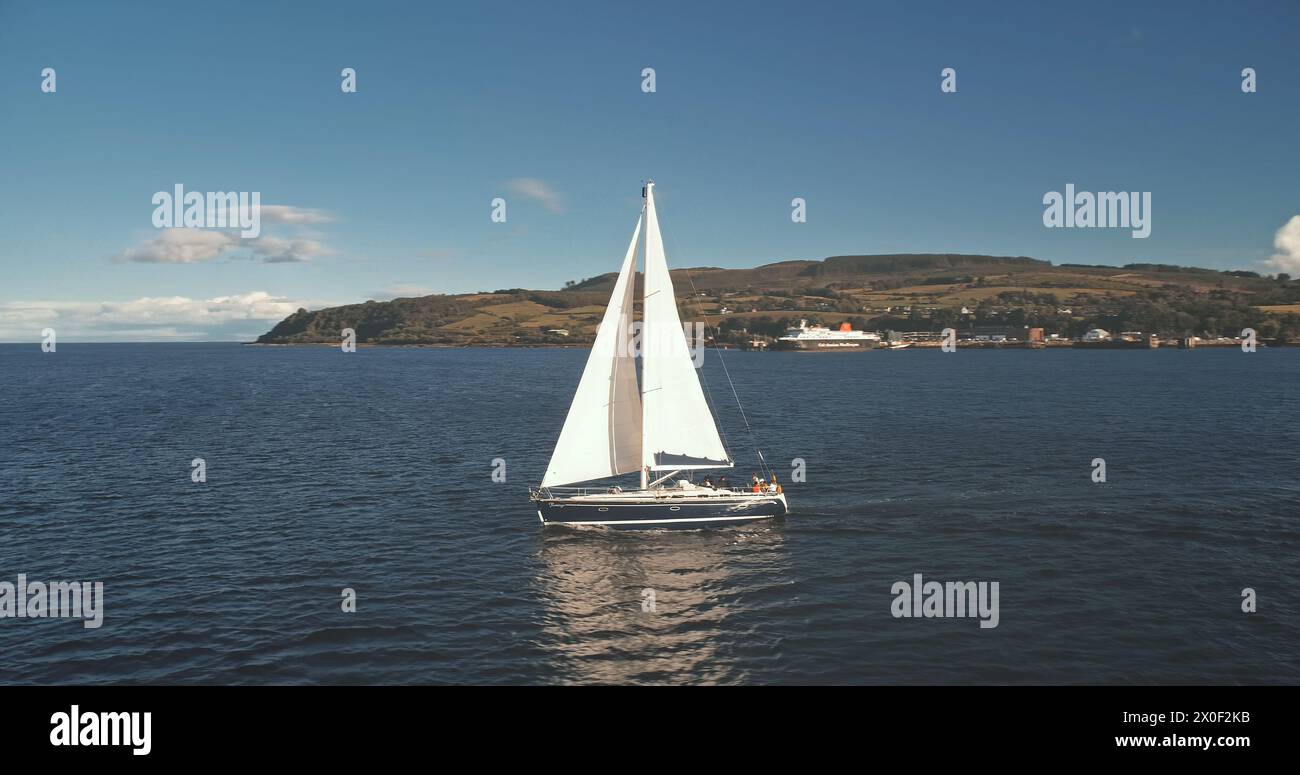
(274, 250)
(300, 216)
(195, 245)
(1287, 244)
(181, 246)
(238, 316)
(538, 191)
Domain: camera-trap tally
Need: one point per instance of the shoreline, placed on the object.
(913, 346)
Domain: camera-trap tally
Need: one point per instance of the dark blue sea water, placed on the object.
(373, 471)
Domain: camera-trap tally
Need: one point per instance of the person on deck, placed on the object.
(708, 482)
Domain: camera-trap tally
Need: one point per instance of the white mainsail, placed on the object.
(602, 433)
(678, 430)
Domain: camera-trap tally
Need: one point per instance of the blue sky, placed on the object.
(388, 190)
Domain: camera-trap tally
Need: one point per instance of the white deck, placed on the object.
(699, 494)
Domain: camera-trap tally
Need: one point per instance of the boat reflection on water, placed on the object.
(654, 607)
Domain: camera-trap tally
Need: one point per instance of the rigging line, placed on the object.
(695, 294)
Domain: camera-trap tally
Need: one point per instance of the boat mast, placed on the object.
(645, 470)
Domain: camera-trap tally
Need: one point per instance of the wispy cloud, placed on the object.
(1131, 38)
(1287, 244)
(400, 291)
(301, 216)
(538, 191)
(238, 316)
(274, 250)
(197, 245)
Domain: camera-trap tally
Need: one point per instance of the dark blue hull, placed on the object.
(661, 513)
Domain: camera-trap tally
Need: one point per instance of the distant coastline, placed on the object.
(961, 345)
(908, 294)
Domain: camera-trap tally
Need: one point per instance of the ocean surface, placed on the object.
(373, 471)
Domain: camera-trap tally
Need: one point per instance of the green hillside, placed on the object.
(905, 292)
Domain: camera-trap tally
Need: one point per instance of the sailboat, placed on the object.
(661, 426)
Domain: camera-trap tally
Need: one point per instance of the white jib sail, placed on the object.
(678, 430)
(602, 434)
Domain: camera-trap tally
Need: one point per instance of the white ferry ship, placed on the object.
(820, 338)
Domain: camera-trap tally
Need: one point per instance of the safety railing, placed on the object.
(546, 493)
